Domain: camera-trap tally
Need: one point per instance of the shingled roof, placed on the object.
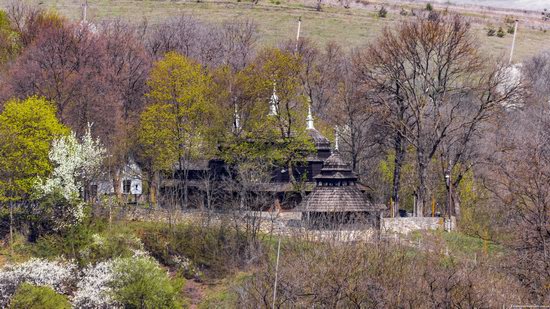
(321, 142)
(336, 190)
(336, 199)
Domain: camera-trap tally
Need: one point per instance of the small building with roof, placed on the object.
(337, 198)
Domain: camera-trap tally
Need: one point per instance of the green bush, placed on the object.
(29, 296)
(89, 244)
(54, 215)
(73, 244)
(429, 7)
(216, 250)
(117, 242)
(500, 32)
(141, 283)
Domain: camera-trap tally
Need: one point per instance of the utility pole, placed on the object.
(448, 180)
(513, 41)
(298, 33)
(85, 10)
(276, 273)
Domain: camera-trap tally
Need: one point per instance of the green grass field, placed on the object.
(348, 27)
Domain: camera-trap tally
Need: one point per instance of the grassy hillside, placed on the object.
(277, 20)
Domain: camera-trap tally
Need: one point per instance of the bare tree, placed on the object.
(126, 66)
(239, 39)
(231, 43)
(518, 175)
(424, 67)
(355, 116)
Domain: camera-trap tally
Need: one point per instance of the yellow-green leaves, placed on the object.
(178, 81)
(27, 129)
(9, 45)
(176, 124)
(267, 138)
(157, 136)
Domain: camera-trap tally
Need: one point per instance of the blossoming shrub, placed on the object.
(32, 296)
(94, 287)
(140, 282)
(58, 275)
(76, 162)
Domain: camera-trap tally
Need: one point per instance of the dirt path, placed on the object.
(195, 292)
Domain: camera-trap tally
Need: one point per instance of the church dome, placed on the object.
(318, 139)
(335, 161)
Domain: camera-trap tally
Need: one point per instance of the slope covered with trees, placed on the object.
(423, 113)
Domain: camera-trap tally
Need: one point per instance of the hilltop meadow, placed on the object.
(350, 27)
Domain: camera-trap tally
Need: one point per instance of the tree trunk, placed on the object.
(399, 147)
(455, 200)
(186, 187)
(153, 189)
(399, 158)
(11, 226)
(422, 186)
(117, 187)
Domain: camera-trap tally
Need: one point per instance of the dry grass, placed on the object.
(350, 27)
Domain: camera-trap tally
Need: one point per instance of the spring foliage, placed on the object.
(176, 124)
(27, 129)
(142, 283)
(31, 296)
(57, 275)
(93, 288)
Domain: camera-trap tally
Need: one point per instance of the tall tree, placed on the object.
(276, 76)
(230, 43)
(9, 46)
(66, 64)
(126, 67)
(30, 21)
(423, 69)
(178, 118)
(27, 129)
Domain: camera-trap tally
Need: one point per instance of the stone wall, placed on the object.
(278, 223)
(405, 225)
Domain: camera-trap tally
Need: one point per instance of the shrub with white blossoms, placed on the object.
(59, 275)
(76, 162)
(93, 288)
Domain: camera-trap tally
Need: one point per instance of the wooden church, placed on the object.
(333, 194)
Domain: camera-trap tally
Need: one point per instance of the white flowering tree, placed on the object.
(76, 162)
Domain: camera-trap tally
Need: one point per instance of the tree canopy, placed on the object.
(27, 129)
(175, 125)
